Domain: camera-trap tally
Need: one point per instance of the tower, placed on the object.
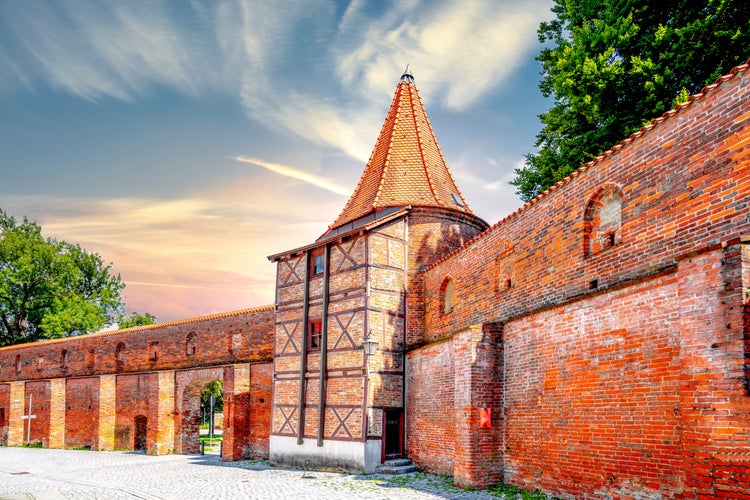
(357, 286)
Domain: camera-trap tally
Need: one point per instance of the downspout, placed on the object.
(324, 346)
(303, 354)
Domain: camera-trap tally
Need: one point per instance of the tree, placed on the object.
(136, 319)
(51, 288)
(613, 65)
(215, 389)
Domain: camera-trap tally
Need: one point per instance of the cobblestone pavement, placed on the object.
(53, 474)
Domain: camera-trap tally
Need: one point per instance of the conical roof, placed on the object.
(406, 167)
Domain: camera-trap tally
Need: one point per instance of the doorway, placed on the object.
(393, 435)
(140, 428)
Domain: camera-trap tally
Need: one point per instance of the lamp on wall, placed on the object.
(370, 345)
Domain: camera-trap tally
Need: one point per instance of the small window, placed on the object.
(153, 351)
(120, 356)
(318, 262)
(17, 364)
(64, 359)
(314, 334)
(190, 344)
(39, 363)
(448, 295)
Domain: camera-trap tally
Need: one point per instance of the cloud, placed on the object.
(300, 175)
(302, 69)
(189, 256)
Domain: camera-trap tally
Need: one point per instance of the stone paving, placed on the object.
(53, 474)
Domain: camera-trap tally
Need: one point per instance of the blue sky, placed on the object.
(186, 141)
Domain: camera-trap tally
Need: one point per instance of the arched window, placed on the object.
(602, 221)
(191, 344)
(447, 293)
(120, 356)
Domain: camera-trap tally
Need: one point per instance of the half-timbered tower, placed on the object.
(334, 404)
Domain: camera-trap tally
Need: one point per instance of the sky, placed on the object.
(186, 141)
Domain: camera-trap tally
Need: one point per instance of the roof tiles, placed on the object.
(406, 166)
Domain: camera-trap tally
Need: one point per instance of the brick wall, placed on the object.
(82, 412)
(625, 359)
(238, 336)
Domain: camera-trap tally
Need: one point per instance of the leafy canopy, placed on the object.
(136, 319)
(613, 65)
(51, 288)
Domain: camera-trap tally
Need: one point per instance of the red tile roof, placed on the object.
(406, 166)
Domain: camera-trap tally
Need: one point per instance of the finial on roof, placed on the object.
(407, 77)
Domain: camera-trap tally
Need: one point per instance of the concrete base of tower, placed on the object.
(351, 456)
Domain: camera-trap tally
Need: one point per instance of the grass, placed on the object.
(504, 491)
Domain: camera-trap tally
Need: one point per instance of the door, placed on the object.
(393, 435)
(139, 433)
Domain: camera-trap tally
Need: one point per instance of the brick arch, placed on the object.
(189, 385)
(447, 295)
(602, 220)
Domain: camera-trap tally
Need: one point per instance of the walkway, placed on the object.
(54, 474)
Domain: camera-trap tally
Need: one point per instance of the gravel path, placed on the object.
(53, 474)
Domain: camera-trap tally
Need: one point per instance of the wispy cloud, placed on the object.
(171, 252)
(300, 175)
(301, 68)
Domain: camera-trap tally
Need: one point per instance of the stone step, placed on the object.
(396, 466)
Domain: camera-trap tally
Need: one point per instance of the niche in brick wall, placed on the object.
(120, 356)
(504, 267)
(447, 292)
(17, 364)
(64, 360)
(153, 351)
(602, 221)
(191, 344)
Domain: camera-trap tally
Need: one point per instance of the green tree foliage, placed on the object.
(136, 319)
(613, 65)
(215, 389)
(51, 288)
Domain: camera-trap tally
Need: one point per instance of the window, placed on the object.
(190, 344)
(314, 334)
(64, 359)
(448, 295)
(153, 351)
(120, 356)
(39, 363)
(602, 221)
(318, 261)
(17, 364)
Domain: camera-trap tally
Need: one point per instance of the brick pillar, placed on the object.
(478, 385)
(163, 441)
(236, 412)
(57, 413)
(16, 428)
(107, 395)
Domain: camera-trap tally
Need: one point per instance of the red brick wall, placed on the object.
(4, 412)
(240, 336)
(592, 394)
(136, 395)
(40, 396)
(626, 368)
(261, 397)
(81, 412)
(430, 413)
